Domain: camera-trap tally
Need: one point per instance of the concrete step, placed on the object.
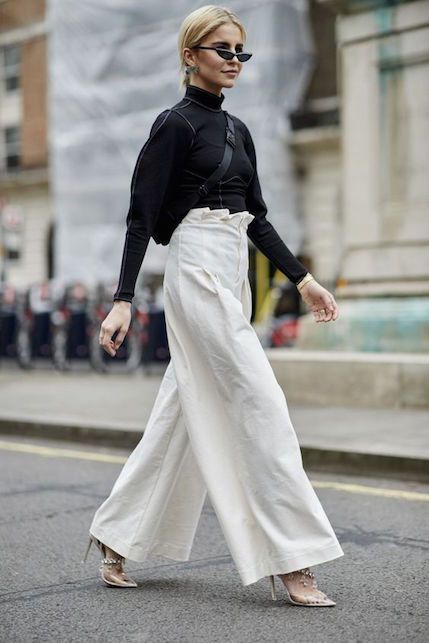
(355, 379)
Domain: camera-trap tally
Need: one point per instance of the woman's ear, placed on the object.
(188, 56)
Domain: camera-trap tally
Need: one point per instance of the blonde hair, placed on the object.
(197, 25)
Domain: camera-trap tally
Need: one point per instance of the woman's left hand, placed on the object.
(320, 300)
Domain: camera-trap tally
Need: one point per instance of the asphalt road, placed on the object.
(50, 490)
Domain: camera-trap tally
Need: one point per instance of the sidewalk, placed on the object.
(113, 410)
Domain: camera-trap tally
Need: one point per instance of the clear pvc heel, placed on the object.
(112, 572)
(322, 602)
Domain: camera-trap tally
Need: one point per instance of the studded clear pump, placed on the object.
(304, 577)
(111, 569)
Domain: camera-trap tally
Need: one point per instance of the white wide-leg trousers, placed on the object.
(219, 425)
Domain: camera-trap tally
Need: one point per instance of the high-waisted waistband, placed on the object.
(222, 214)
(214, 241)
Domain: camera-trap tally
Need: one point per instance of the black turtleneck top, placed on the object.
(185, 145)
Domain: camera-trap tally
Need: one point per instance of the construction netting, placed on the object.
(113, 66)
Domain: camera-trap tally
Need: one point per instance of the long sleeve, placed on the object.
(261, 231)
(158, 164)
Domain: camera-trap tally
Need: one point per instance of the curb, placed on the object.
(120, 437)
(365, 464)
(315, 458)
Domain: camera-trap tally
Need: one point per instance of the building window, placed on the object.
(10, 64)
(12, 147)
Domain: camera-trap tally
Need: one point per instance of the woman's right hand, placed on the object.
(119, 319)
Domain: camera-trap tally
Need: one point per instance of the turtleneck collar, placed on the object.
(203, 97)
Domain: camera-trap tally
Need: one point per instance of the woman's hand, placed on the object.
(320, 300)
(119, 319)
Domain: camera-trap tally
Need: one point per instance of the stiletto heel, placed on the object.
(87, 550)
(323, 602)
(273, 588)
(111, 576)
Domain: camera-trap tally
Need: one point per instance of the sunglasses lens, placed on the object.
(229, 55)
(223, 53)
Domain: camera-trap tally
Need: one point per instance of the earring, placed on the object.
(190, 68)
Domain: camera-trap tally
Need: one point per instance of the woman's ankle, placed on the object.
(111, 553)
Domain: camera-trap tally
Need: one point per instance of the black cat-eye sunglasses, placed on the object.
(226, 53)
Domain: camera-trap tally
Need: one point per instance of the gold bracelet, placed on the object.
(308, 277)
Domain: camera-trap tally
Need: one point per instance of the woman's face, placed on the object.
(213, 73)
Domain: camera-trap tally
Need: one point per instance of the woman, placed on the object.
(220, 423)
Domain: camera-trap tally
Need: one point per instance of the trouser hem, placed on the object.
(139, 553)
(248, 575)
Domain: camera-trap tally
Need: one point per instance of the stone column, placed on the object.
(383, 279)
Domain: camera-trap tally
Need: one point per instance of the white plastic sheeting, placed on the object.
(113, 66)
